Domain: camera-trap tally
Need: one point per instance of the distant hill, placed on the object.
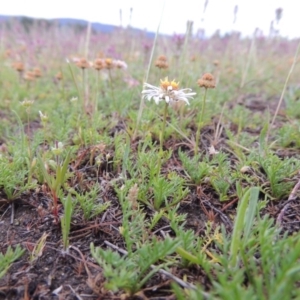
(106, 28)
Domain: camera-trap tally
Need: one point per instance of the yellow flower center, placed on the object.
(169, 85)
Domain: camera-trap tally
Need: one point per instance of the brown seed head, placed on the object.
(193, 58)
(161, 62)
(162, 58)
(207, 81)
(216, 63)
(29, 76)
(99, 64)
(18, 66)
(8, 53)
(82, 63)
(37, 72)
(59, 75)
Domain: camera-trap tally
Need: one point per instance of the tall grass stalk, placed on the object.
(148, 72)
(283, 90)
(75, 82)
(163, 126)
(249, 58)
(200, 122)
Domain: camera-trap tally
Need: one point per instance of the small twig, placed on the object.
(292, 197)
(161, 271)
(98, 225)
(159, 229)
(4, 214)
(12, 216)
(76, 295)
(83, 260)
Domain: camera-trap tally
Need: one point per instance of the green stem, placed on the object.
(97, 92)
(73, 77)
(200, 122)
(111, 86)
(140, 112)
(83, 90)
(29, 147)
(163, 127)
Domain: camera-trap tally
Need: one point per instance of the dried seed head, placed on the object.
(8, 53)
(29, 76)
(216, 63)
(59, 75)
(18, 66)
(37, 72)
(162, 58)
(193, 58)
(161, 62)
(207, 81)
(83, 63)
(133, 196)
(99, 64)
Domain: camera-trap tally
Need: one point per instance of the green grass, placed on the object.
(98, 135)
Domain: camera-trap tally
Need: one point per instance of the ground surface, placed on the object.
(73, 275)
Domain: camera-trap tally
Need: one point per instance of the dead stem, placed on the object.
(12, 216)
(292, 197)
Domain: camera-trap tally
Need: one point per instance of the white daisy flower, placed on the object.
(167, 91)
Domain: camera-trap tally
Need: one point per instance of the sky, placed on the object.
(219, 14)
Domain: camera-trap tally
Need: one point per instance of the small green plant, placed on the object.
(55, 181)
(256, 254)
(13, 177)
(66, 221)
(221, 186)
(277, 171)
(168, 192)
(221, 176)
(130, 272)
(90, 202)
(288, 135)
(8, 258)
(197, 170)
(134, 223)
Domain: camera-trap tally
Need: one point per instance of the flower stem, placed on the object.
(111, 86)
(200, 122)
(83, 91)
(29, 146)
(163, 127)
(97, 92)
